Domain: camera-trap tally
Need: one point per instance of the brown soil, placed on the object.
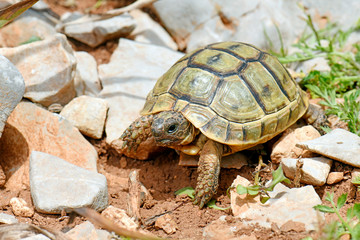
(162, 175)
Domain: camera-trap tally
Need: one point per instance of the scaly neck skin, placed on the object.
(138, 132)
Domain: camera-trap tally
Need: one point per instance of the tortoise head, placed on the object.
(171, 128)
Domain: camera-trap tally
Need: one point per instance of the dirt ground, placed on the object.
(162, 175)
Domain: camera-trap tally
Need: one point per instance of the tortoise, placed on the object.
(217, 100)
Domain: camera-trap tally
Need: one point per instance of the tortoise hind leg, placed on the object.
(316, 117)
(208, 172)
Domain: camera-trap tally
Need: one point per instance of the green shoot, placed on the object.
(342, 81)
(189, 191)
(345, 225)
(258, 188)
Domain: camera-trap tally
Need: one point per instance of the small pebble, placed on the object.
(20, 207)
(166, 223)
(335, 177)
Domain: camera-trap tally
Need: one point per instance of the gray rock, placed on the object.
(56, 185)
(149, 31)
(88, 114)
(48, 68)
(86, 78)
(339, 144)
(7, 219)
(128, 78)
(314, 170)
(284, 205)
(95, 31)
(256, 22)
(181, 18)
(211, 31)
(12, 89)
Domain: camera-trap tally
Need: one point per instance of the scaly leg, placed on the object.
(208, 172)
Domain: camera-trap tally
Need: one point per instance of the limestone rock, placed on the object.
(31, 128)
(94, 31)
(339, 144)
(20, 207)
(12, 89)
(48, 68)
(88, 114)
(314, 171)
(86, 78)
(286, 147)
(149, 31)
(128, 78)
(285, 204)
(57, 185)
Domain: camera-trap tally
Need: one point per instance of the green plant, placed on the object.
(189, 191)
(342, 80)
(259, 188)
(349, 225)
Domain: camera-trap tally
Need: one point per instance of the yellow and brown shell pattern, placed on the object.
(233, 92)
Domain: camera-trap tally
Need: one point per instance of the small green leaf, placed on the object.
(307, 238)
(240, 189)
(323, 208)
(211, 204)
(187, 191)
(341, 200)
(278, 176)
(253, 190)
(329, 197)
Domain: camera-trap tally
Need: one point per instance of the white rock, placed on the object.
(128, 78)
(314, 170)
(149, 31)
(285, 204)
(36, 237)
(94, 32)
(31, 128)
(86, 78)
(48, 68)
(56, 185)
(25, 28)
(211, 31)
(339, 144)
(120, 218)
(181, 18)
(88, 114)
(7, 219)
(12, 89)
(20, 207)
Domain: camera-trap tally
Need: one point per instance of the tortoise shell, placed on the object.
(232, 92)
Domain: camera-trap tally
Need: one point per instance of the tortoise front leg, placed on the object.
(208, 172)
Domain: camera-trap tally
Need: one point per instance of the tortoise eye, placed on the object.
(172, 128)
